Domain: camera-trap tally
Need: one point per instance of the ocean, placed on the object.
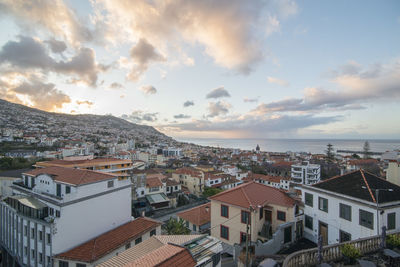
(297, 145)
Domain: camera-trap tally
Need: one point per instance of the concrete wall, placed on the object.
(393, 173)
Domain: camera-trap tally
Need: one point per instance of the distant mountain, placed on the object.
(86, 126)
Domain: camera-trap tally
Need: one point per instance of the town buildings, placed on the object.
(263, 207)
(305, 173)
(350, 207)
(54, 209)
(197, 219)
(191, 178)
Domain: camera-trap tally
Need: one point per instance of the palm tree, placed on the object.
(175, 227)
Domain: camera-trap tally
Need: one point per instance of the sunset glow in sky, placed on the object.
(212, 68)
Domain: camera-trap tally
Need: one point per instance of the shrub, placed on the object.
(393, 240)
(350, 251)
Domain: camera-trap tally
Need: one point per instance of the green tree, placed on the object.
(366, 150)
(210, 191)
(330, 155)
(175, 227)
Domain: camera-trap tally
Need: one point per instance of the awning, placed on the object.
(157, 198)
(29, 202)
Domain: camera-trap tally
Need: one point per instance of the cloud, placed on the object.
(139, 116)
(143, 53)
(277, 81)
(181, 116)
(53, 16)
(357, 86)
(34, 92)
(273, 25)
(188, 103)
(85, 102)
(225, 29)
(29, 53)
(116, 85)
(56, 46)
(249, 126)
(148, 89)
(218, 93)
(250, 100)
(218, 108)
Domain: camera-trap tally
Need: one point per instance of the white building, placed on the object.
(305, 173)
(345, 207)
(393, 172)
(54, 209)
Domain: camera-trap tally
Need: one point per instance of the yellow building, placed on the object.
(108, 165)
(266, 207)
(191, 178)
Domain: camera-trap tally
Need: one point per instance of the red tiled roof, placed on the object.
(170, 182)
(83, 162)
(188, 171)
(153, 182)
(254, 194)
(100, 246)
(197, 215)
(165, 256)
(270, 178)
(72, 176)
(362, 161)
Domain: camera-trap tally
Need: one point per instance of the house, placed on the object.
(197, 219)
(155, 192)
(274, 181)
(345, 207)
(191, 178)
(171, 250)
(264, 207)
(55, 209)
(305, 173)
(109, 244)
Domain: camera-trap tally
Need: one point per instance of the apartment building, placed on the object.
(305, 173)
(264, 207)
(191, 178)
(54, 209)
(346, 207)
(121, 167)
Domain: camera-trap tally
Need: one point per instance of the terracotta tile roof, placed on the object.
(72, 176)
(100, 246)
(156, 175)
(254, 194)
(165, 256)
(171, 182)
(270, 178)
(153, 182)
(362, 161)
(189, 171)
(197, 215)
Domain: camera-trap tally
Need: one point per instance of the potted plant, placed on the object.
(350, 253)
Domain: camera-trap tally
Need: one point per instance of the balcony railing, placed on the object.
(309, 257)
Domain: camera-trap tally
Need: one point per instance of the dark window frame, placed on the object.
(391, 225)
(281, 215)
(242, 217)
(307, 222)
(227, 232)
(323, 201)
(227, 211)
(342, 211)
(368, 223)
(307, 199)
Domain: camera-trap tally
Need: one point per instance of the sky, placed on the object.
(211, 68)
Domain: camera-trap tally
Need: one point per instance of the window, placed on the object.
(40, 258)
(323, 204)
(25, 251)
(67, 189)
(391, 218)
(63, 263)
(261, 212)
(25, 230)
(127, 245)
(187, 224)
(225, 232)
(308, 222)
(153, 232)
(80, 265)
(344, 236)
(51, 211)
(366, 219)
(48, 260)
(48, 238)
(110, 184)
(309, 199)
(58, 213)
(176, 187)
(32, 254)
(243, 237)
(345, 211)
(138, 240)
(245, 218)
(224, 211)
(32, 233)
(194, 228)
(40, 235)
(281, 215)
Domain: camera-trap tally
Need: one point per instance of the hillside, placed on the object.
(86, 127)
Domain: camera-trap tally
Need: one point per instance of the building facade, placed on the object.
(305, 173)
